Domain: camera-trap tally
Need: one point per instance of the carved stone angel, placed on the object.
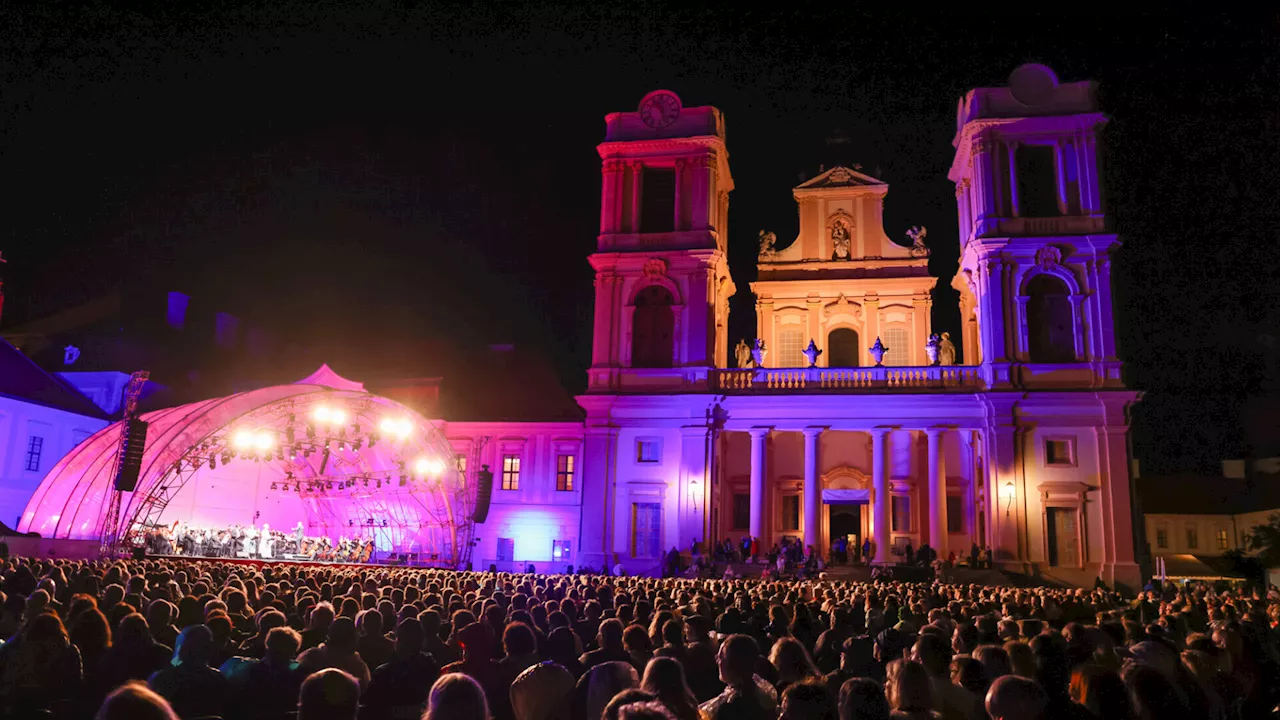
(742, 352)
(768, 244)
(917, 235)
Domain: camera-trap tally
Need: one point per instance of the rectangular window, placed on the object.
(899, 355)
(1060, 452)
(560, 550)
(648, 451)
(646, 520)
(657, 200)
(955, 514)
(790, 513)
(564, 473)
(741, 511)
(506, 549)
(900, 508)
(1036, 171)
(35, 448)
(510, 472)
(1162, 538)
(791, 349)
(1193, 538)
(1222, 539)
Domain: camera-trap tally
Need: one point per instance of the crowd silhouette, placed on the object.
(168, 638)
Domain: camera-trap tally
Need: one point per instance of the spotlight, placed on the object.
(356, 445)
(213, 462)
(273, 486)
(338, 416)
(288, 432)
(322, 413)
(404, 480)
(373, 440)
(242, 439)
(328, 486)
(226, 457)
(384, 522)
(379, 483)
(351, 523)
(421, 465)
(286, 487)
(263, 440)
(311, 431)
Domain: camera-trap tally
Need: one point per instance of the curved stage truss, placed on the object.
(322, 451)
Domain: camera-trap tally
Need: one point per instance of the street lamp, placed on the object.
(1007, 492)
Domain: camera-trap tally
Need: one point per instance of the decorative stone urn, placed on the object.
(877, 351)
(931, 348)
(812, 353)
(758, 353)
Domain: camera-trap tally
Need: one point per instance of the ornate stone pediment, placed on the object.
(845, 477)
(840, 176)
(843, 306)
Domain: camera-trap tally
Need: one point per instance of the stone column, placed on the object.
(758, 437)
(880, 484)
(937, 493)
(812, 489)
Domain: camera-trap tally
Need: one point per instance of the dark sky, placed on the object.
(369, 172)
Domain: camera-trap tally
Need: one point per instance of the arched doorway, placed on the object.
(1050, 326)
(842, 348)
(653, 328)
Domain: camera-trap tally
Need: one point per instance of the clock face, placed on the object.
(659, 108)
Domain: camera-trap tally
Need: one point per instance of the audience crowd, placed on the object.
(193, 639)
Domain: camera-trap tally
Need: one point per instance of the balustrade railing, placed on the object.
(935, 377)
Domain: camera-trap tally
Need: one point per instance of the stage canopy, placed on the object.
(322, 451)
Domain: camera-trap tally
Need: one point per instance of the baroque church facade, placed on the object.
(849, 417)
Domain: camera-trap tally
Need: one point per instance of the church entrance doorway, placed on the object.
(845, 521)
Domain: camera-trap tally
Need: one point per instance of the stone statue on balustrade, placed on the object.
(812, 353)
(931, 348)
(946, 350)
(758, 353)
(839, 241)
(768, 245)
(742, 353)
(917, 235)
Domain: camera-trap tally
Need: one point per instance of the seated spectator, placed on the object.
(134, 701)
(338, 651)
(399, 688)
(329, 694)
(455, 696)
(192, 687)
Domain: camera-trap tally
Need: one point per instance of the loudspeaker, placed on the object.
(135, 440)
(484, 493)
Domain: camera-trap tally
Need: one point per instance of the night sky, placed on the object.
(361, 176)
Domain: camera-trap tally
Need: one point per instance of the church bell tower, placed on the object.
(1035, 264)
(662, 283)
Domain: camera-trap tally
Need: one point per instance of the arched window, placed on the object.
(1051, 333)
(652, 329)
(842, 348)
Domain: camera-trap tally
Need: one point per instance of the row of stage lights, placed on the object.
(259, 445)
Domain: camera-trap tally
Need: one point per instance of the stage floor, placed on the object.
(257, 562)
